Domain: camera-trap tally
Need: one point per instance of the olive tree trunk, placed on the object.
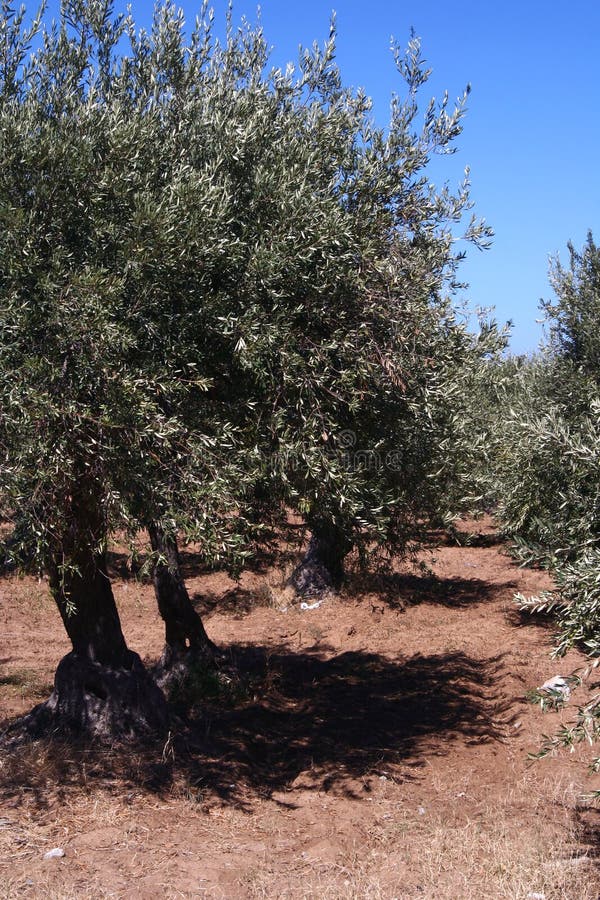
(101, 687)
(186, 640)
(322, 567)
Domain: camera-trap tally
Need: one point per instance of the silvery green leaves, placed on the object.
(546, 453)
(208, 265)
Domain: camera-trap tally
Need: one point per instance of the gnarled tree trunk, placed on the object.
(322, 567)
(101, 687)
(186, 640)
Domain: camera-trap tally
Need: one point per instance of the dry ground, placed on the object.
(375, 747)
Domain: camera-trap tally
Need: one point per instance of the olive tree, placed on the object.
(224, 295)
(546, 463)
(547, 458)
(347, 346)
(112, 248)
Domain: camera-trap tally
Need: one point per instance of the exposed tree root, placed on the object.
(100, 701)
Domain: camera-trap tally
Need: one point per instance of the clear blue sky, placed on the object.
(532, 132)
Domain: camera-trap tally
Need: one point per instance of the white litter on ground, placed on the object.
(56, 853)
(314, 605)
(557, 686)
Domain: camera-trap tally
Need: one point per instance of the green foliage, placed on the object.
(548, 439)
(498, 387)
(547, 464)
(550, 493)
(212, 273)
(574, 339)
(585, 728)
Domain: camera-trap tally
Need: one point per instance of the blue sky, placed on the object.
(532, 131)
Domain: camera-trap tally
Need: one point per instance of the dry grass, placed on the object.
(16, 889)
(429, 859)
(509, 850)
(275, 590)
(25, 684)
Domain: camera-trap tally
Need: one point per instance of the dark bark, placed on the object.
(322, 566)
(101, 687)
(104, 701)
(186, 640)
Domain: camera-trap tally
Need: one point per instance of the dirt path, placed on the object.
(377, 748)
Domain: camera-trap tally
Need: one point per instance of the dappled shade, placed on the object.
(337, 722)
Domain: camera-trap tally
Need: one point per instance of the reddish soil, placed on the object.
(374, 747)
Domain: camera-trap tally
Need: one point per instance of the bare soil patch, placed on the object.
(374, 747)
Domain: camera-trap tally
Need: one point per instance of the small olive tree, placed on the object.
(351, 354)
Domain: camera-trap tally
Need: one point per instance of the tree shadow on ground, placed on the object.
(588, 827)
(522, 618)
(236, 602)
(263, 558)
(283, 718)
(458, 537)
(26, 680)
(399, 590)
(395, 590)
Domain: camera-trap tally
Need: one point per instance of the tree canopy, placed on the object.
(223, 285)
